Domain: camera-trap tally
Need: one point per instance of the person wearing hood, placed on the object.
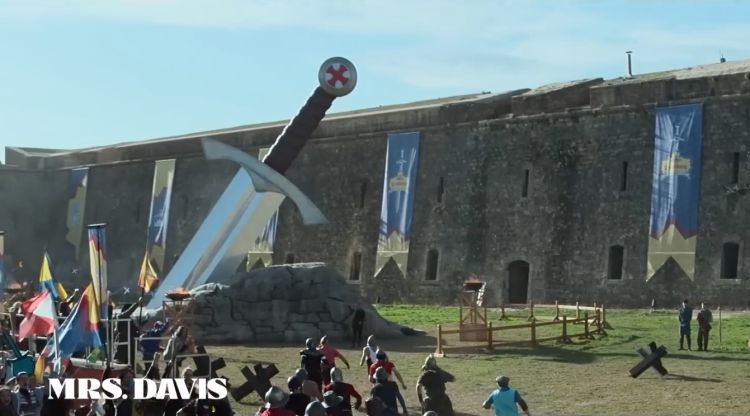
(298, 401)
(388, 392)
(309, 388)
(433, 381)
(388, 366)
(313, 361)
(345, 390)
(369, 353)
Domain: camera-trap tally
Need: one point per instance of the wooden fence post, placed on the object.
(578, 311)
(461, 314)
(531, 312)
(605, 324)
(557, 312)
(489, 337)
(565, 339)
(439, 348)
(719, 309)
(653, 304)
(503, 317)
(485, 315)
(586, 325)
(533, 332)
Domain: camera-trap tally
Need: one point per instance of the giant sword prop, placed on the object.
(256, 191)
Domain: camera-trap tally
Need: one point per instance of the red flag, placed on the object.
(40, 317)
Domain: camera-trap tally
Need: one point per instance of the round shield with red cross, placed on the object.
(337, 76)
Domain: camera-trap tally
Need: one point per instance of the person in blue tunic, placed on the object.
(506, 400)
(685, 316)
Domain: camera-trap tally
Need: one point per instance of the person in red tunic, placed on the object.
(330, 354)
(345, 390)
(388, 366)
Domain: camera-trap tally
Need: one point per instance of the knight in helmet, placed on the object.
(276, 399)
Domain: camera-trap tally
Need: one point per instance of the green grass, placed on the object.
(587, 377)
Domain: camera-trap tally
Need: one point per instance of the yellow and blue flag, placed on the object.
(98, 263)
(147, 279)
(48, 282)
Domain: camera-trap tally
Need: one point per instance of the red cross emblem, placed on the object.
(337, 77)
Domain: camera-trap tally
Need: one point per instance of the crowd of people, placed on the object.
(318, 388)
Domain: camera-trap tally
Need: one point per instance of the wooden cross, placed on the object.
(202, 364)
(259, 382)
(652, 359)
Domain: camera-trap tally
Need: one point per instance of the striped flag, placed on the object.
(39, 316)
(48, 282)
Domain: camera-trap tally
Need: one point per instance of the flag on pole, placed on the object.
(48, 282)
(39, 316)
(147, 279)
(79, 331)
(98, 264)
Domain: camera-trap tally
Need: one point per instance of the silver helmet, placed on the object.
(315, 408)
(336, 375)
(275, 397)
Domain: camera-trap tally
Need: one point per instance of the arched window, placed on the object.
(615, 262)
(432, 265)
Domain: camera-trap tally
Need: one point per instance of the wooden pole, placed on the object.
(719, 309)
(461, 314)
(578, 311)
(533, 332)
(503, 316)
(439, 348)
(485, 315)
(531, 312)
(557, 312)
(489, 337)
(565, 330)
(586, 325)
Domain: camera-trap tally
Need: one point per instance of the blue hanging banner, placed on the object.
(76, 209)
(676, 187)
(158, 221)
(399, 187)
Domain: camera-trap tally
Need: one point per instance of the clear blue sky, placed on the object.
(79, 73)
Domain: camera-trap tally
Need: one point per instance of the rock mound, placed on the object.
(283, 303)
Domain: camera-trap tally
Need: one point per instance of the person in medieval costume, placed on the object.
(704, 327)
(313, 361)
(369, 353)
(432, 381)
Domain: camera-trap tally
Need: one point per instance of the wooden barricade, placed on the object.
(592, 318)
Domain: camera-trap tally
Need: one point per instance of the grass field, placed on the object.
(583, 378)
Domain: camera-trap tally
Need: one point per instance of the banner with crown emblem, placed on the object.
(399, 187)
(263, 248)
(676, 188)
(158, 220)
(76, 208)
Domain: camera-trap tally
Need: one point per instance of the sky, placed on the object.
(76, 74)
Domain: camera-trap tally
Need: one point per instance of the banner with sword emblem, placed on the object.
(676, 187)
(399, 187)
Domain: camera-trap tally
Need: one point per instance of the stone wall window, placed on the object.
(432, 265)
(525, 188)
(614, 265)
(736, 168)
(440, 190)
(624, 177)
(289, 258)
(354, 271)
(730, 254)
(362, 194)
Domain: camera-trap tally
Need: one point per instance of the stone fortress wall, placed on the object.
(540, 182)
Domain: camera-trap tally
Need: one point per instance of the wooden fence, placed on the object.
(592, 324)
